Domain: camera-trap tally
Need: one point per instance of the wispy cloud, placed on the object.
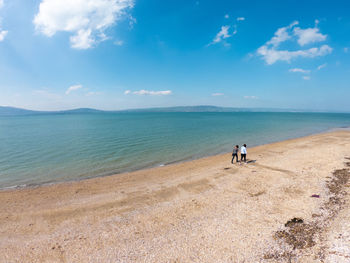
(85, 19)
(3, 33)
(306, 77)
(300, 70)
(346, 49)
(149, 92)
(322, 66)
(73, 88)
(281, 35)
(93, 93)
(47, 94)
(250, 97)
(218, 94)
(223, 34)
(271, 54)
(118, 42)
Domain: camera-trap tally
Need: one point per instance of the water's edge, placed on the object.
(33, 185)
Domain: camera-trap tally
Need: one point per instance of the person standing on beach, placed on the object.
(235, 154)
(244, 153)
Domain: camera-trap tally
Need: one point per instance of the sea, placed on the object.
(51, 148)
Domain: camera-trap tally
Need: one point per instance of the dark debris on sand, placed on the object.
(299, 235)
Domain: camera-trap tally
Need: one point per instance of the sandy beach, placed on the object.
(206, 210)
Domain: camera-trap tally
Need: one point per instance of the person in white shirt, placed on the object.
(244, 153)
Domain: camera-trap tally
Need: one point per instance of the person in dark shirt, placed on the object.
(235, 154)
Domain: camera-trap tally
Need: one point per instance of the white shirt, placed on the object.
(243, 150)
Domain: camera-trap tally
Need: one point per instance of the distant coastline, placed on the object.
(13, 111)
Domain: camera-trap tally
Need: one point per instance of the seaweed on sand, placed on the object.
(299, 235)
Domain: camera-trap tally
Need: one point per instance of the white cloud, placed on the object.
(223, 33)
(3, 34)
(300, 70)
(322, 66)
(150, 92)
(251, 97)
(218, 94)
(346, 49)
(127, 92)
(308, 35)
(73, 88)
(271, 54)
(281, 35)
(306, 77)
(82, 40)
(227, 16)
(85, 19)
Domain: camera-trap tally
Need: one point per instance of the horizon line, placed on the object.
(260, 109)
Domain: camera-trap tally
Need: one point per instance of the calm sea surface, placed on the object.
(41, 149)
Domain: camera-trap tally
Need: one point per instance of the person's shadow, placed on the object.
(251, 161)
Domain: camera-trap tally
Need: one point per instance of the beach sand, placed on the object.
(206, 210)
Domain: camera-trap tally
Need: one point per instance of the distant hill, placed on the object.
(186, 109)
(12, 111)
(9, 111)
(206, 108)
(80, 110)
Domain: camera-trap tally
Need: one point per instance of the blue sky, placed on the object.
(118, 54)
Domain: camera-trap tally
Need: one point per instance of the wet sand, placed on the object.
(206, 210)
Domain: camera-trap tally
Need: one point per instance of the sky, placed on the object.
(121, 54)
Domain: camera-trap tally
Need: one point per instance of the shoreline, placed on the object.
(46, 184)
(206, 210)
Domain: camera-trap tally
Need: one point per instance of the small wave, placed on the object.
(14, 187)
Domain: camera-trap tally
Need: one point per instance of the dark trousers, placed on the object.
(233, 157)
(243, 157)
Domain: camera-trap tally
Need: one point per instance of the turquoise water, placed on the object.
(41, 149)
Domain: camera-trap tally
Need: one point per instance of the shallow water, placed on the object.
(62, 147)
